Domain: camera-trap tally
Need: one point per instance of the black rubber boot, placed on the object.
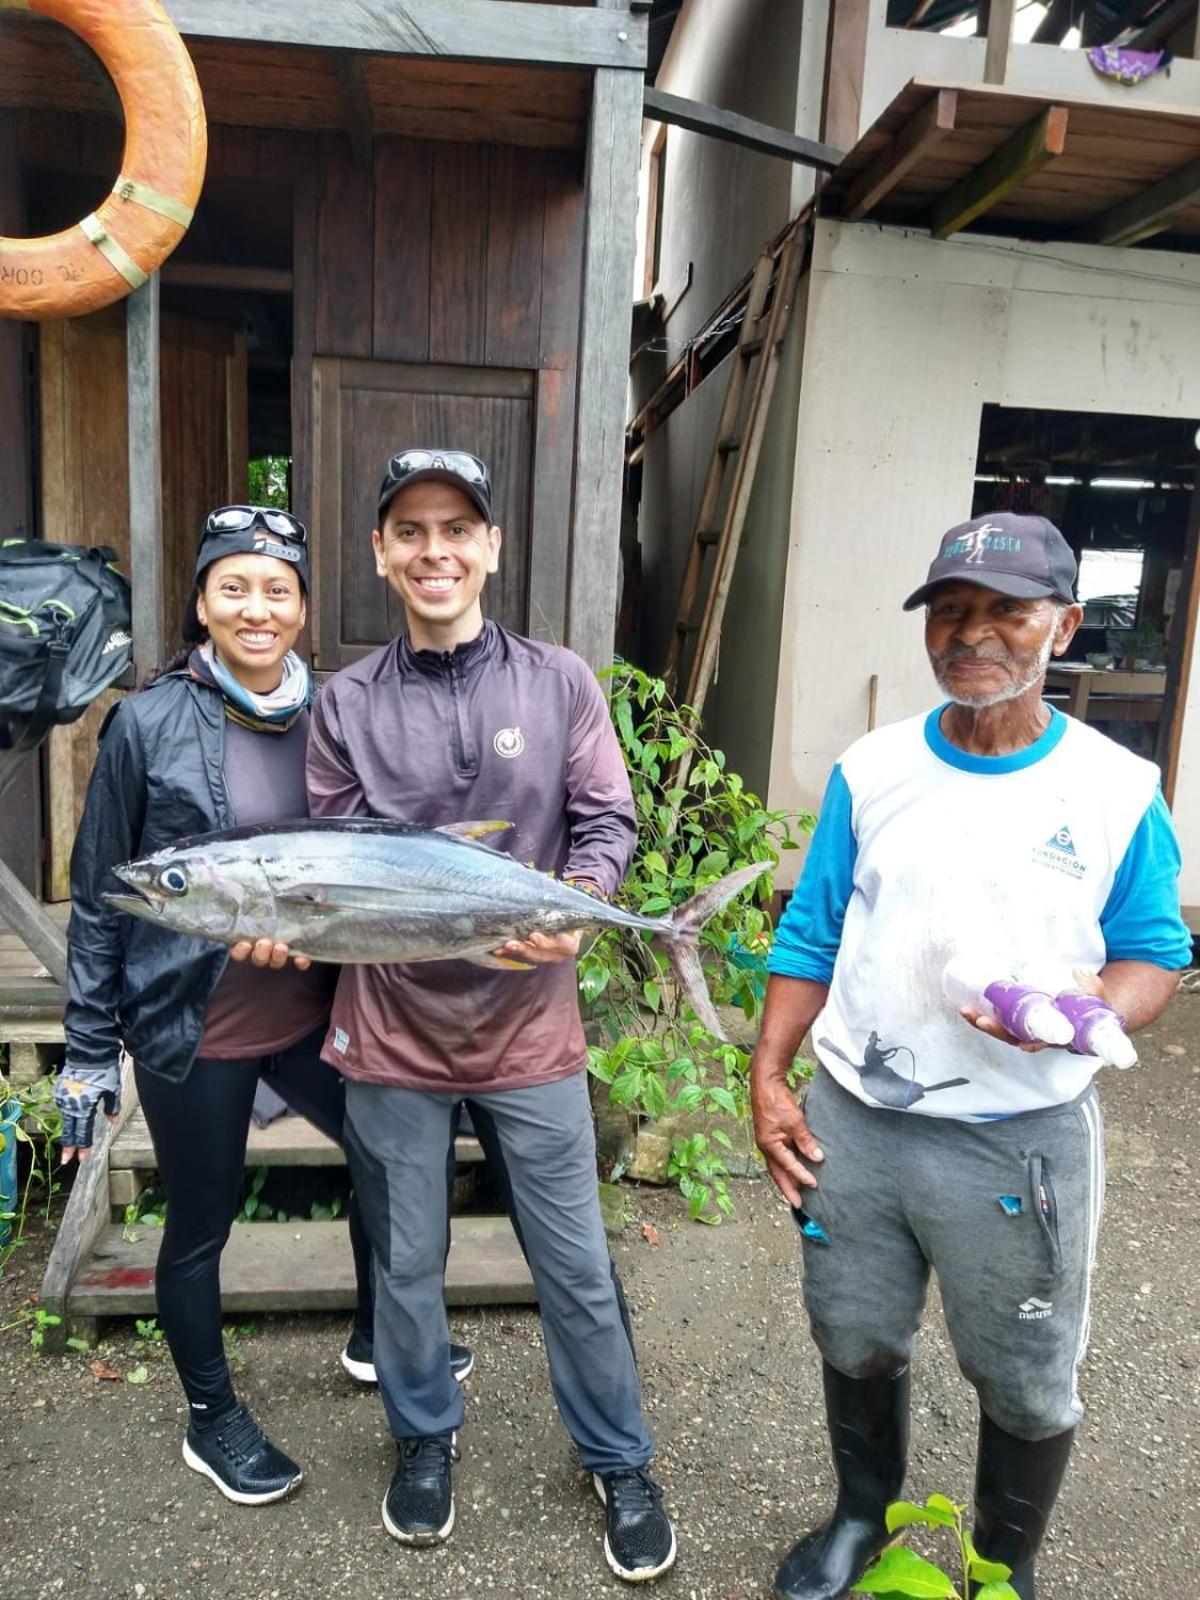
(1016, 1484)
(868, 1429)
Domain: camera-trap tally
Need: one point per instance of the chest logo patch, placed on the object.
(1059, 852)
(509, 743)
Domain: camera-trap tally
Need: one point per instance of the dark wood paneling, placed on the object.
(344, 253)
(514, 256)
(365, 411)
(403, 234)
(458, 287)
(554, 449)
(476, 271)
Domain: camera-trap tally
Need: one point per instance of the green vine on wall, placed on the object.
(656, 1058)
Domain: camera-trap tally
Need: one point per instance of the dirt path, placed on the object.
(95, 1503)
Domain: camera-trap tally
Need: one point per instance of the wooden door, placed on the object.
(85, 488)
(363, 412)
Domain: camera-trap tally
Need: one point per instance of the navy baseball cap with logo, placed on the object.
(459, 467)
(1025, 557)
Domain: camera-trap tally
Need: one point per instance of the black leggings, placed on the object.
(199, 1128)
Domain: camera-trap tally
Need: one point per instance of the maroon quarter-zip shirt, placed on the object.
(501, 728)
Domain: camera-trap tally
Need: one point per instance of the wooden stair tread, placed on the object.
(295, 1266)
(287, 1142)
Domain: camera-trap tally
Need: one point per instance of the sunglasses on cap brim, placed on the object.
(236, 519)
(464, 466)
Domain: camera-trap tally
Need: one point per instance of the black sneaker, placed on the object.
(358, 1359)
(240, 1459)
(639, 1541)
(419, 1505)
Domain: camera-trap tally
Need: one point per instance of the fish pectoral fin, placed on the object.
(330, 897)
(502, 963)
(473, 830)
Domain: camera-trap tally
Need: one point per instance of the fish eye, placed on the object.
(174, 879)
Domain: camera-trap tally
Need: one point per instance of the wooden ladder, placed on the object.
(740, 434)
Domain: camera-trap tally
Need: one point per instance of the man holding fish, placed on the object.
(459, 720)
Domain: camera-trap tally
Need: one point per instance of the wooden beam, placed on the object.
(1026, 152)
(27, 918)
(735, 129)
(1163, 24)
(226, 275)
(468, 30)
(998, 57)
(845, 64)
(919, 135)
(356, 99)
(142, 358)
(1146, 213)
(610, 245)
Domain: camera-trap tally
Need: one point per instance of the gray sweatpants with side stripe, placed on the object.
(396, 1146)
(1005, 1212)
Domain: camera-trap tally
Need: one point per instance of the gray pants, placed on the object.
(396, 1147)
(1006, 1213)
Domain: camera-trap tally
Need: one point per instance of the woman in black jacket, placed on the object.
(217, 739)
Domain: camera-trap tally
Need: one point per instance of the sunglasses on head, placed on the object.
(235, 519)
(465, 466)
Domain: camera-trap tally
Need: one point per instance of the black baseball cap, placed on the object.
(254, 530)
(418, 465)
(1025, 557)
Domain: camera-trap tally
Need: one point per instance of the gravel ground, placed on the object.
(95, 1503)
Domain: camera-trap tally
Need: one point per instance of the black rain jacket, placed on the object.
(159, 775)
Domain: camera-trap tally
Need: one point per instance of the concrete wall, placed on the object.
(906, 340)
(721, 205)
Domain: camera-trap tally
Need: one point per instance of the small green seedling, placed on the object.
(41, 1321)
(900, 1571)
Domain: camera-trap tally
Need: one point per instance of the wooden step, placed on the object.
(286, 1142)
(294, 1266)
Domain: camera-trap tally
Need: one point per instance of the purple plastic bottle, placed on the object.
(1027, 1013)
(1097, 1030)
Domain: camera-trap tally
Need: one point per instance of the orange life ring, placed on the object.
(115, 249)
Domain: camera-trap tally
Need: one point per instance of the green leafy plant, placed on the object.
(268, 481)
(653, 1055)
(900, 1571)
(36, 1128)
(148, 1210)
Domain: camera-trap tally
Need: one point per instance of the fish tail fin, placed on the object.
(683, 939)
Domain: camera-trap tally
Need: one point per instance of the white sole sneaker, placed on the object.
(439, 1537)
(632, 1574)
(364, 1371)
(360, 1371)
(238, 1496)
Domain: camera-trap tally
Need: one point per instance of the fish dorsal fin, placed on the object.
(332, 897)
(472, 830)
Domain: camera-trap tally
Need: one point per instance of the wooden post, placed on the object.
(845, 65)
(145, 476)
(998, 56)
(614, 140)
(16, 520)
(1179, 656)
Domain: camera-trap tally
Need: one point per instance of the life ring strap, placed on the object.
(112, 252)
(143, 195)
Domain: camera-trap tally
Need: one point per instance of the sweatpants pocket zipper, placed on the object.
(1045, 1208)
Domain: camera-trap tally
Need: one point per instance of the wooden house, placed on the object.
(417, 226)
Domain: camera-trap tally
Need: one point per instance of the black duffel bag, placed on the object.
(64, 634)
